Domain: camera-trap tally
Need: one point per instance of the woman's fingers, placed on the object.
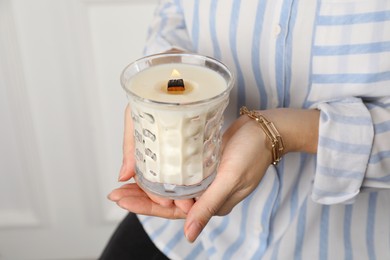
(126, 190)
(145, 206)
(132, 198)
(185, 205)
(128, 163)
(207, 206)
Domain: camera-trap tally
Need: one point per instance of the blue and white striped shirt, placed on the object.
(332, 55)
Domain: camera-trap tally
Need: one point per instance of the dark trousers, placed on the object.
(130, 241)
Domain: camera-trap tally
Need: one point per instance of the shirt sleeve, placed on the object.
(168, 29)
(353, 149)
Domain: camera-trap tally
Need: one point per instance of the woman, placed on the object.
(320, 72)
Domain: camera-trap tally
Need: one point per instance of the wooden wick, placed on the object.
(176, 85)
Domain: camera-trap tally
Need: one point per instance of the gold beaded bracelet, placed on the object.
(270, 131)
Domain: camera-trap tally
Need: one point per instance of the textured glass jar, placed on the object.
(177, 136)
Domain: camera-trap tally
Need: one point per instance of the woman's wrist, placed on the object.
(273, 136)
(297, 127)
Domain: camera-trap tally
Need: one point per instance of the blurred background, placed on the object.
(61, 122)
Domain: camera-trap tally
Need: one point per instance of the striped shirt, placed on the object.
(332, 55)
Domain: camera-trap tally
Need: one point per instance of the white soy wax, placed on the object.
(177, 133)
(200, 83)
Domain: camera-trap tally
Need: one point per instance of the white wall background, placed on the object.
(61, 121)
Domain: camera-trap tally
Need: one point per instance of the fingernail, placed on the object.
(193, 232)
(120, 177)
(109, 196)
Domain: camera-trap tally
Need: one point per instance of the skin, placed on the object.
(245, 158)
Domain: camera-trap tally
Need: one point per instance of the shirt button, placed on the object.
(277, 30)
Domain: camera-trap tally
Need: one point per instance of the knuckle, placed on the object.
(223, 211)
(211, 210)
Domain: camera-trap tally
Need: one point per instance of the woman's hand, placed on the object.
(245, 158)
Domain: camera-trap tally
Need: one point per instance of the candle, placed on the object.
(177, 133)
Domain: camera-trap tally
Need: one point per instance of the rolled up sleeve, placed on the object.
(346, 137)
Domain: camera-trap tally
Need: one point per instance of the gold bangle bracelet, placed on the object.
(270, 131)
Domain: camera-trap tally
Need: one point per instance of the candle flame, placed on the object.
(175, 74)
(176, 83)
